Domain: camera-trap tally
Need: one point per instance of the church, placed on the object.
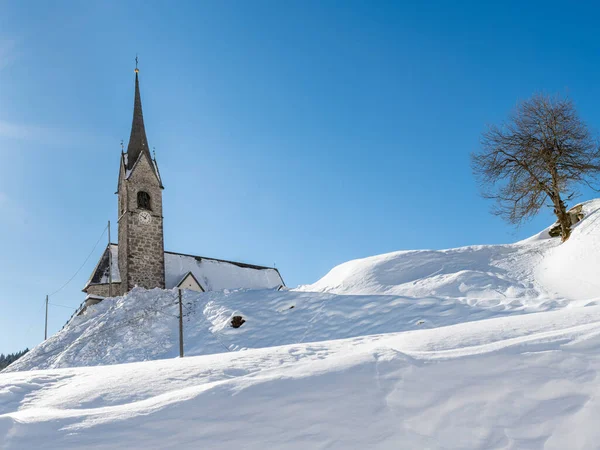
(139, 258)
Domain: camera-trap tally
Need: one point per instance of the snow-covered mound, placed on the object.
(395, 292)
(536, 268)
(519, 382)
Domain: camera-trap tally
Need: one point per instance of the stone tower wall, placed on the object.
(123, 229)
(141, 245)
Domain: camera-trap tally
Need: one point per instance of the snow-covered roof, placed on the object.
(216, 275)
(212, 274)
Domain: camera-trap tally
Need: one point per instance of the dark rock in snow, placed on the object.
(237, 321)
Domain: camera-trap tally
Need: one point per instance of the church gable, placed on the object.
(143, 171)
(190, 282)
(143, 188)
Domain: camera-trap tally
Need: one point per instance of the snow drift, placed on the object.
(537, 268)
(525, 382)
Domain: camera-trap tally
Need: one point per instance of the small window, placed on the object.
(143, 199)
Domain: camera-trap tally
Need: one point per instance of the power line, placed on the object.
(84, 263)
(62, 306)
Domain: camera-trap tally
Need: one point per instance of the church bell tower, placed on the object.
(141, 241)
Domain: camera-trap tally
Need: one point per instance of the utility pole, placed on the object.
(180, 326)
(46, 327)
(109, 264)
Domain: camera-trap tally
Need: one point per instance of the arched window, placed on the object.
(143, 199)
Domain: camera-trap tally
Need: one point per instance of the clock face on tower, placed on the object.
(145, 217)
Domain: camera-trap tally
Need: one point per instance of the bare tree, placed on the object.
(543, 152)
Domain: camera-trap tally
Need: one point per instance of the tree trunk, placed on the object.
(560, 210)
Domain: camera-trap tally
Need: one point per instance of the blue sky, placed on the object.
(297, 133)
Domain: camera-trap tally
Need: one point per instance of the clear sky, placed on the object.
(297, 133)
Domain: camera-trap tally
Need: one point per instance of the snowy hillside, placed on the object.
(382, 294)
(519, 382)
(472, 348)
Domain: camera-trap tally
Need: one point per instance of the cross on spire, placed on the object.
(136, 63)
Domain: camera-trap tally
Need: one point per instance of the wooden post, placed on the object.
(46, 327)
(180, 326)
(109, 264)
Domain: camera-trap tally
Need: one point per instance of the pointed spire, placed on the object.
(138, 143)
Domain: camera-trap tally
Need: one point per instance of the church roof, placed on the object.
(100, 273)
(212, 274)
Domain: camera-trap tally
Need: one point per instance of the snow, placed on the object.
(216, 275)
(114, 269)
(535, 272)
(524, 382)
(478, 347)
(117, 331)
(572, 269)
